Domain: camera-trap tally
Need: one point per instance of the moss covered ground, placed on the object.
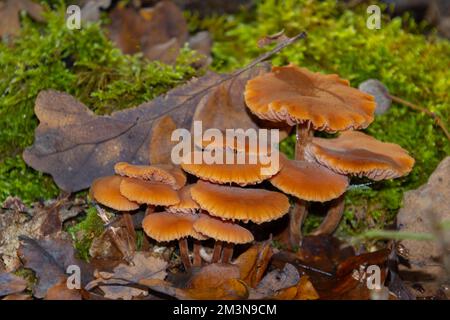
(409, 58)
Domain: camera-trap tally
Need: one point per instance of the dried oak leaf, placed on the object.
(119, 283)
(76, 146)
(49, 258)
(11, 284)
(9, 15)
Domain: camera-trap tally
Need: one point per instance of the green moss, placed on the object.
(413, 66)
(85, 231)
(83, 63)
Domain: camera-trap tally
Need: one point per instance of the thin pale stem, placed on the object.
(413, 106)
(197, 256)
(298, 214)
(333, 217)
(217, 252)
(184, 253)
(227, 252)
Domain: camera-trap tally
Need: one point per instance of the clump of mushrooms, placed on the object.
(317, 102)
(224, 205)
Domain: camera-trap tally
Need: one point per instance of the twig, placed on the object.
(413, 106)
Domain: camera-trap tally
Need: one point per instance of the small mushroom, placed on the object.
(223, 173)
(356, 153)
(163, 173)
(309, 181)
(236, 203)
(142, 191)
(311, 101)
(165, 226)
(222, 231)
(106, 190)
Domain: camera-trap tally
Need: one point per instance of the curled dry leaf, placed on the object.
(118, 284)
(11, 284)
(60, 291)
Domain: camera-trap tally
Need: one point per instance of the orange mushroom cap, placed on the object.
(309, 181)
(296, 95)
(256, 205)
(186, 204)
(164, 226)
(222, 230)
(358, 154)
(142, 191)
(106, 190)
(241, 174)
(163, 173)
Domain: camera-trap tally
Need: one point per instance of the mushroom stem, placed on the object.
(217, 252)
(184, 253)
(298, 214)
(227, 252)
(129, 225)
(150, 209)
(197, 256)
(333, 217)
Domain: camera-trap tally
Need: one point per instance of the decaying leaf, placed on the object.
(119, 283)
(75, 146)
(335, 271)
(49, 258)
(253, 263)
(276, 281)
(159, 32)
(11, 284)
(160, 143)
(9, 15)
(60, 291)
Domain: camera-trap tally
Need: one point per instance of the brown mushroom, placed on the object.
(142, 191)
(163, 173)
(222, 231)
(165, 226)
(311, 101)
(188, 206)
(106, 190)
(236, 203)
(241, 174)
(309, 181)
(356, 153)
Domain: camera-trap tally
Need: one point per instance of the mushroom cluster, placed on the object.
(317, 102)
(224, 206)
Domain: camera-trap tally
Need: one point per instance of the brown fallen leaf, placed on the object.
(253, 262)
(11, 284)
(159, 32)
(49, 258)
(18, 296)
(160, 147)
(9, 15)
(60, 292)
(119, 283)
(335, 271)
(275, 282)
(75, 146)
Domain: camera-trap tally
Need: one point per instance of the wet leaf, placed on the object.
(11, 284)
(49, 258)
